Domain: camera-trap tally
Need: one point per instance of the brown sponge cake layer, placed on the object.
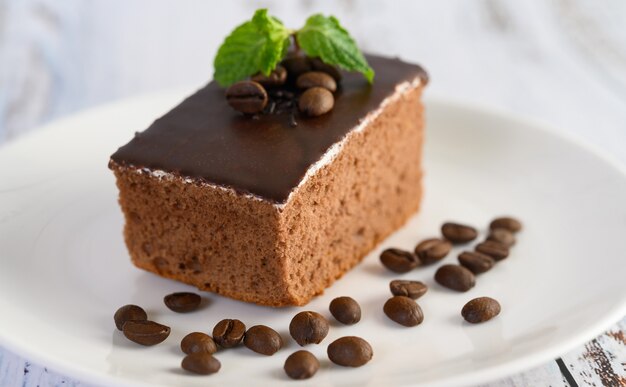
(369, 190)
(202, 235)
(248, 248)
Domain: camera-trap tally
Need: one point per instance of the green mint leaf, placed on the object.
(325, 38)
(255, 46)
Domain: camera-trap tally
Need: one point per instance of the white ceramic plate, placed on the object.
(64, 269)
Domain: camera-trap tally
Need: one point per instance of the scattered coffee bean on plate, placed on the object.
(458, 233)
(316, 79)
(480, 309)
(399, 261)
(262, 339)
(501, 235)
(201, 363)
(228, 333)
(455, 277)
(476, 262)
(247, 97)
(432, 250)
(182, 302)
(146, 332)
(506, 222)
(308, 328)
(495, 250)
(345, 310)
(316, 101)
(411, 289)
(404, 311)
(350, 351)
(301, 365)
(276, 77)
(198, 342)
(129, 313)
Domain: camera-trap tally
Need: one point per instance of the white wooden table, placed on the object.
(563, 62)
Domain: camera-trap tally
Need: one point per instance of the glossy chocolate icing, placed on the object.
(204, 139)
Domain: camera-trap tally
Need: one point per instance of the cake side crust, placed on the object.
(202, 235)
(369, 189)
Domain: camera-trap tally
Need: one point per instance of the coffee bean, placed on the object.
(202, 363)
(399, 261)
(229, 333)
(198, 342)
(296, 65)
(404, 311)
(182, 302)
(350, 351)
(476, 262)
(145, 332)
(276, 78)
(316, 79)
(506, 222)
(411, 289)
(247, 97)
(316, 101)
(480, 309)
(308, 327)
(345, 310)
(263, 340)
(495, 250)
(458, 233)
(432, 250)
(331, 70)
(301, 365)
(502, 235)
(129, 313)
(455, 277)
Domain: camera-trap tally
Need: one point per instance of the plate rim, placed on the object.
(492, 373)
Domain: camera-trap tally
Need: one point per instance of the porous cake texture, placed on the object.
(231, 226)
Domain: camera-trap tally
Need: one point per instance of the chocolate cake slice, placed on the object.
(260, 210)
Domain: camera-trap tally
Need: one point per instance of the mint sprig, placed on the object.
(325, 38)
(255, 46)
(258, 45)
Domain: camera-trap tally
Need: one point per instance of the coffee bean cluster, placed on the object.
(309, 327)
(403, 309)
(494, 248)
(133, 321)
(299, 82)
(227, 333)
(199, 349)
(306, 328)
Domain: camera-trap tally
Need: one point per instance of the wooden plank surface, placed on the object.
(602, 361)
(561, 61)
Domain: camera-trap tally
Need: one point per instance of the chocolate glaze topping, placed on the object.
(203, 138)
